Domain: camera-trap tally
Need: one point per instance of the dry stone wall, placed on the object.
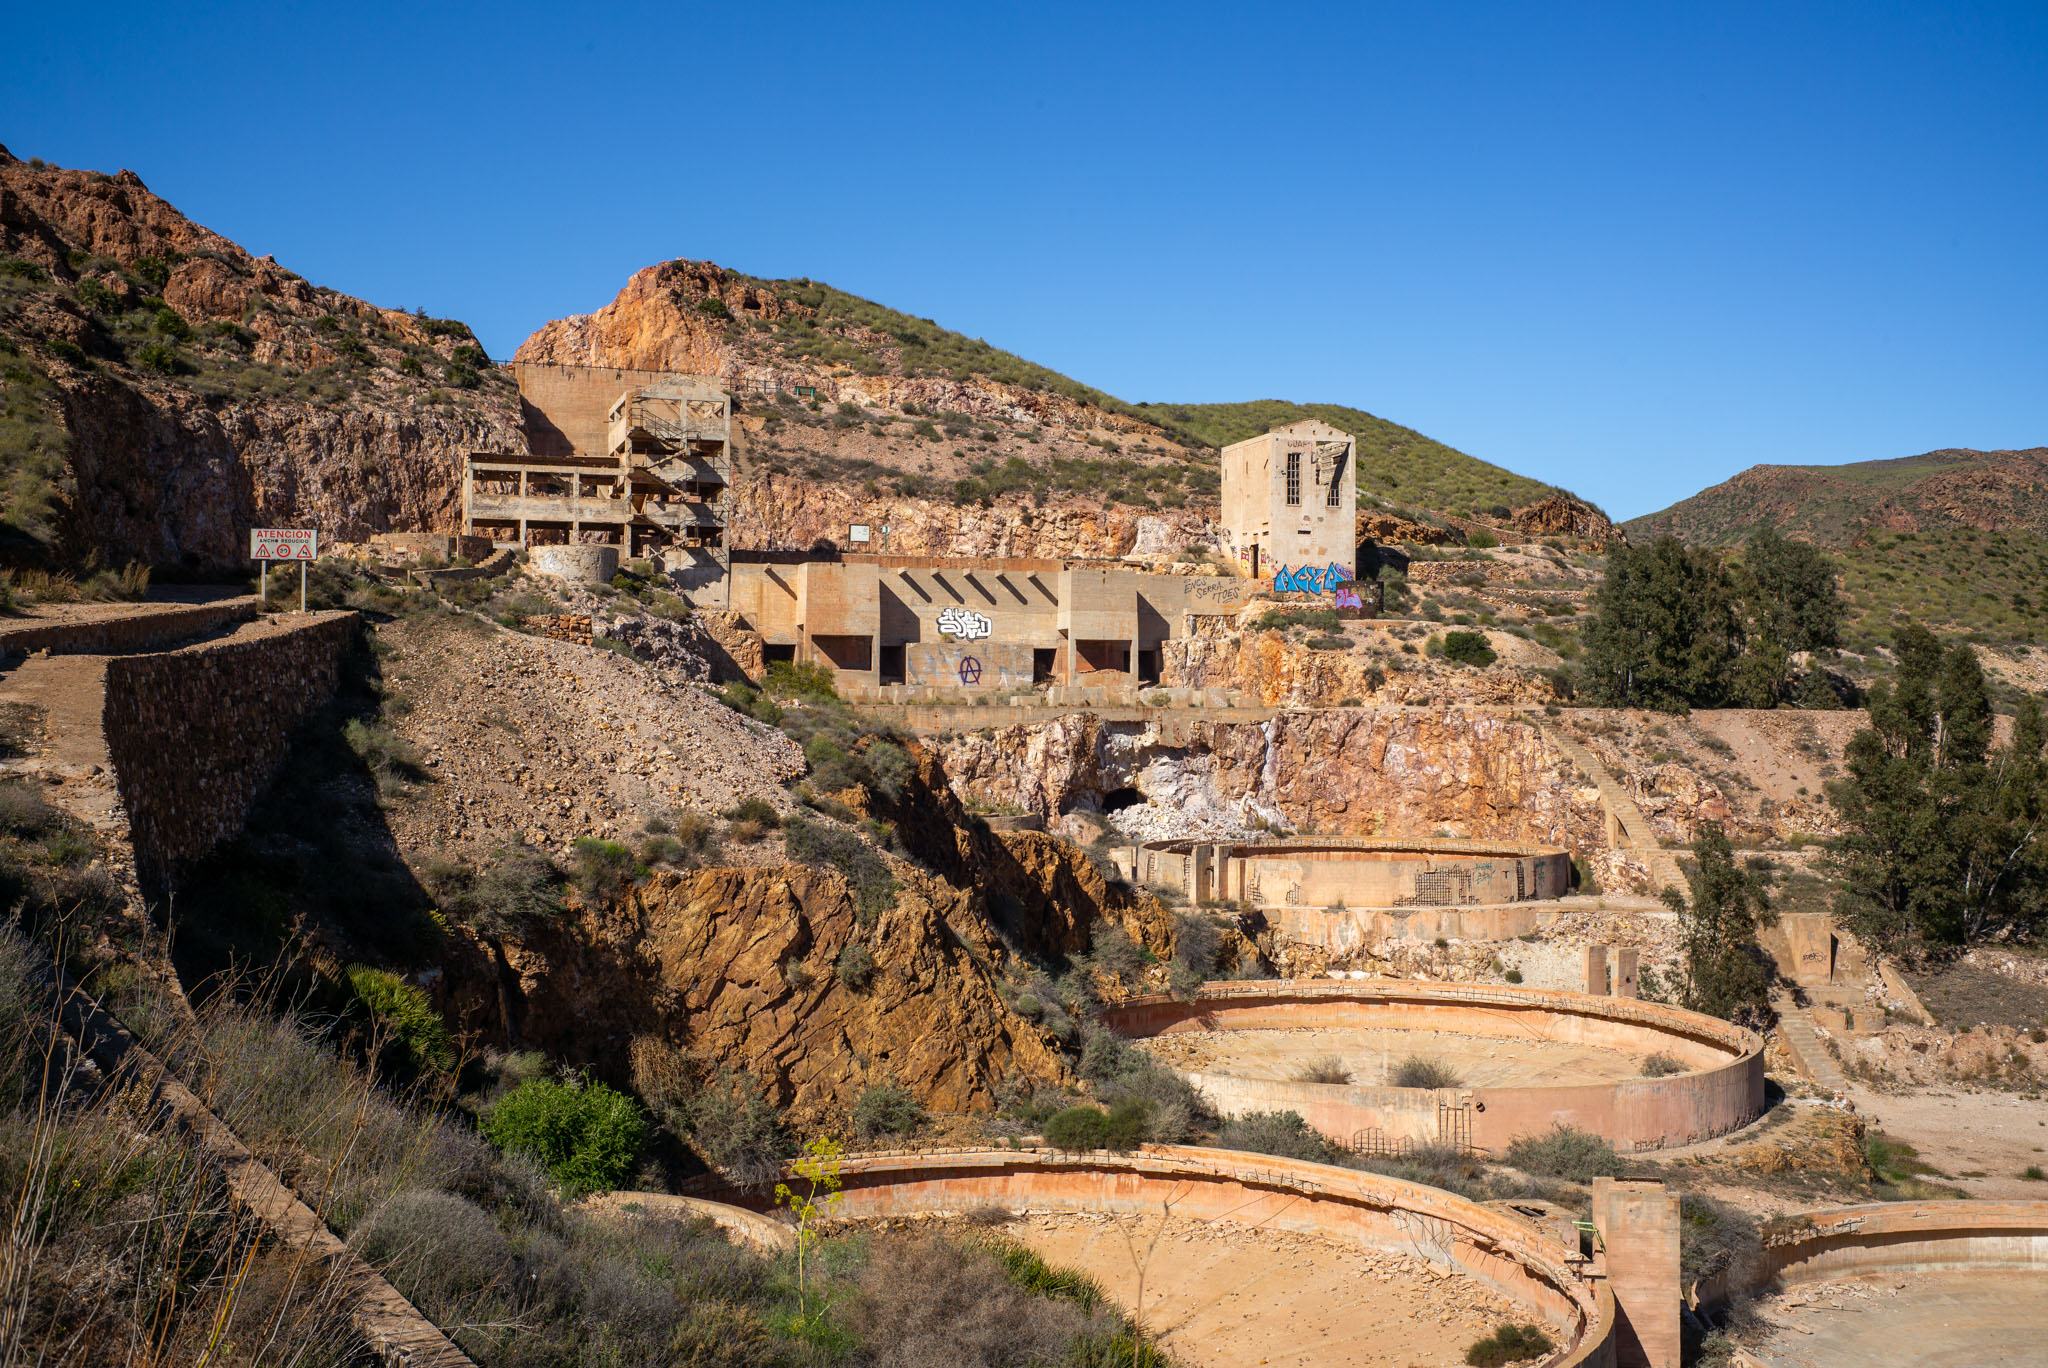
(196, 733)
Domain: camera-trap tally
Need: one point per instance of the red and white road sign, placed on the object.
(284, 543)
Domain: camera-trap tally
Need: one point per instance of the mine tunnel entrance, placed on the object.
(1116, 800)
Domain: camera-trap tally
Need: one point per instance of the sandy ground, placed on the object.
(1947, 1320)
(1222, 1295)
(1479, 1061)
(1996, 1134)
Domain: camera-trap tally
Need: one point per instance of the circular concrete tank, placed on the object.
(1547, 1282)
(580, 563)
(1525, 1059)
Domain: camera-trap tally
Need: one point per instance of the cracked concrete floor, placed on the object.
(1979, 1319)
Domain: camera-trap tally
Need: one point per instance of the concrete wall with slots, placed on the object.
(195, 734)
(974, 627)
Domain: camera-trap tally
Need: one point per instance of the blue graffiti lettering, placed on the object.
(1309, 580)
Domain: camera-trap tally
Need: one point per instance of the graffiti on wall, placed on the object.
(1310, 580)
(965, 624)
(970, 670)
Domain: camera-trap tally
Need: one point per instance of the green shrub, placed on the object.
(160, 357)
(1419, 1071)
(799, 680)
(1508, 1344)
(825, 846)
(1661, 1065)
(1513, 975)
(1566, 1152)
(1481, 540)
(1284, 1133)
(1326, 1069)
(756, 810)
(735, 1130)
(21, 268)
(96, 296)
(856, 966)
(602, 869)
(439, 1247)
(714, 307)
(458, 375)
(1077, 1129)
(585, 1135)
(402, 1011)
(171, 324)
(508, 896)
(1468, 648)
(886, 1109)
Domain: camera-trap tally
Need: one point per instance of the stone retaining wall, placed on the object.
(1721, 1088)
(195, 734)
(150, 627)
(570, 627)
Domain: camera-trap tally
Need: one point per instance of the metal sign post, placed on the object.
(267, 544)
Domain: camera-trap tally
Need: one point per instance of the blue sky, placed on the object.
(1630, 249)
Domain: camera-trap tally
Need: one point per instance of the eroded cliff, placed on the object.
(171, 390)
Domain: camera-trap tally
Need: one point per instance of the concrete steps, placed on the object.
(1627, 827)
(1809, 1052)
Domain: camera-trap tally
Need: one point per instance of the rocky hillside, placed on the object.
(961, 448)
(161, 389)
(1991, 491)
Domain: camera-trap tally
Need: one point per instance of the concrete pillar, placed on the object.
(1596, 970)
(1627, 962)
(1638, 1225)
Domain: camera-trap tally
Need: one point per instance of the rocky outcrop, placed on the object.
(198, 390)
(1278, 671)
(698, 317)
(737, 968)
(1391, 772)
(1561, 515)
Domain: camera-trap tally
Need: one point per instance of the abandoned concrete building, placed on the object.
(625, 464)
(621, 464)
(1290, 500)
(908, 626)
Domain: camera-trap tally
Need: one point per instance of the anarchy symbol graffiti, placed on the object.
(970, 670)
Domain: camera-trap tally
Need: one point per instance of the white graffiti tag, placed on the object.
(964, 623)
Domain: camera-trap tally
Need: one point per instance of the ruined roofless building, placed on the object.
(635, 460)
(1290, 499)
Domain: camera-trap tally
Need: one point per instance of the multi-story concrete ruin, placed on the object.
(635, 464)
(637, 461)
(1290, 500)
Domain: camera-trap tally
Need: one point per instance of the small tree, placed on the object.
(818, 1167)
(1722, 968)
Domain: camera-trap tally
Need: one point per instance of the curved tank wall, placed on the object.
(1365, 1209)
(1720, 1087)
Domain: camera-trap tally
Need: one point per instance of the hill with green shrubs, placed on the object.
(1837, 506)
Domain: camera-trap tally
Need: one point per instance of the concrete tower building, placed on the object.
(1290, 499)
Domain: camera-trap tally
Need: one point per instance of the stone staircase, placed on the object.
(1627, 827)
(1809, 1052)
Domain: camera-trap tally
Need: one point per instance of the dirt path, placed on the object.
(1995, 1134)
(1221, 1295)
(68, 697)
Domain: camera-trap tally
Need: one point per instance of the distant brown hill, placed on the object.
(1991, 491)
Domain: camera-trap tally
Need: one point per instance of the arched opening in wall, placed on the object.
(1116, 800)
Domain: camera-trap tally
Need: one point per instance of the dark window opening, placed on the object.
(1043, 662)
(1116, 800)
(895, 670)
(771, 653)
(1293, 478)
(1148, 667)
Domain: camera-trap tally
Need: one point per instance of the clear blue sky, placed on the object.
(1630, 249)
